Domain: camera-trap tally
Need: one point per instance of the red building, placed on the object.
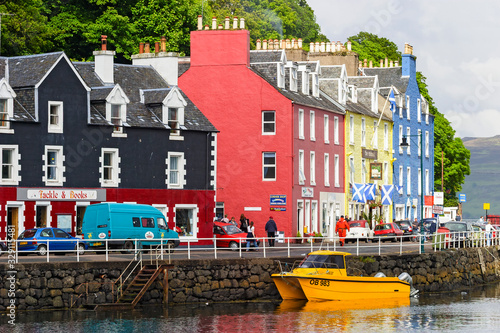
(280, 150)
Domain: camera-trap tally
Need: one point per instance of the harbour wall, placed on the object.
(65, 285)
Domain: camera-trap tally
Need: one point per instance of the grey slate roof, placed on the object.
(27, 71)
(388, 76)
(362, 81)
(268, 72)
(361, 109)
(330, 72)
(183, 67)
(266, 56)
(135, 81)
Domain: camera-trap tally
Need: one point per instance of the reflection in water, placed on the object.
(474, 310)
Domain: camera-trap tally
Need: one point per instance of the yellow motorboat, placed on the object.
(322, 276)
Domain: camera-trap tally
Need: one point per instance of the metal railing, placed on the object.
(284, 246)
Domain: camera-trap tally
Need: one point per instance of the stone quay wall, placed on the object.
(65, 285)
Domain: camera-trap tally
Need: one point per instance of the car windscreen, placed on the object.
(232, 229)
(357, 224)
(456, 227)
(322, 261)
(27, 234)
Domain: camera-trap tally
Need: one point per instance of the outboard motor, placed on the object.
(407, 278)
(381, 275)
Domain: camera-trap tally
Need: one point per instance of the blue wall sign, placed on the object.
(462, 197)
(278, 200)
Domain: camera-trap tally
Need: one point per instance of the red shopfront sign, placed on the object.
(429, 200)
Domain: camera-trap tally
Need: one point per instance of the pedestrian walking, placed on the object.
(271, 229)
(251, 237)
(488, 230)
(341, 228)
(243, 223)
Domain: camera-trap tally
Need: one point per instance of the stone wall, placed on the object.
(61, 285)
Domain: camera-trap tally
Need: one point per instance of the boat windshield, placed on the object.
(323, 261)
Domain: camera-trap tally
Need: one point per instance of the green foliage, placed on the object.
(366, 259)
(449, 152)
(371, 47)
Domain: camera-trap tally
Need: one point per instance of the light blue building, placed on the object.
(412, 120)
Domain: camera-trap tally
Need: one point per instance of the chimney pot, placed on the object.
(386, 63)
(288, 45)
(276, 44)
(220, 26)
(322, 47)
(141, 48)
(349, 45)
(264, 44)
(257, 45)
(242, 23)
(214, 23)
(316, 46)
(235, 22)
(299, 43)
(163, 41)
(396, 63)
(391, 63)
(226, 23)
(381, 63)
(207, 27)
(104, 42)
(311, 47)
(328, 47)
(157, 47)
(365, 63)
(371, 64)
(200, 22)
(147, 48)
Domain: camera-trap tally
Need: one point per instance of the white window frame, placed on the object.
(117, 121)
(427, 182)
(386, 173)
(315, 83)
(174, 124)
(408, 140)
(301, 124)
(312, 126)
(375, 134)
(408, 107)
(266, 122)
(281, 75)
(419, 181)
(312, 168)
(269, 165)
(337, 170)
(326, 129)
(60, 168)
(419, 142)
(336, 130)
(14, 165)
(351, 130)
(327, 169)
(302, 175)
(314, 215)
(293, 78)
(386, 136)
(400, 139)
(352, 170)
(363, 170)
(115, 167)
(363, 132)
(419, 111)
(408, 180)
(400, 175)
(195, 221)
(181, 170)
(7, 95)
(58, 127)
(426, 143)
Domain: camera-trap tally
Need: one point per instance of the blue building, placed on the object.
(412, 120)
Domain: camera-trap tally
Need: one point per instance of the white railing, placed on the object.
(284, 247)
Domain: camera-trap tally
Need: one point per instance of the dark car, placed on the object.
(387, 231)
(408, 231)
(460, 232)
(39, 240)
(229, 235)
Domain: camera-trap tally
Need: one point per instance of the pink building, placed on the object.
(280, 150)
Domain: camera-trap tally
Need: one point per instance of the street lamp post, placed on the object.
(404, 144)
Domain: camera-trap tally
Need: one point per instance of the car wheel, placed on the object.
(383, 240)
(169, 248)
(128, 247)
(234, 246)
(81, 249)
(41, 250)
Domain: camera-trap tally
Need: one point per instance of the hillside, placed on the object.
(483, 183)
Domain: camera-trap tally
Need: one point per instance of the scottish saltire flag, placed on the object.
(399, 189)
(392, 101)
(370, 191)
(358, 192)
(387, 194)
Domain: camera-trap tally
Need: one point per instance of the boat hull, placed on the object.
(328, 288)
(288, 286)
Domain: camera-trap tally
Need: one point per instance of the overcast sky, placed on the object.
(456, 43)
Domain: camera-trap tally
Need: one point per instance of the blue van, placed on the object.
(126, 222)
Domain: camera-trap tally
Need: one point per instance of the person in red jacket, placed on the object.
(341, 228)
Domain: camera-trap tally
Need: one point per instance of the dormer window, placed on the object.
(55, 117)
(173, 113)
(315, 83)
(281, 75)
(7, 96)
(116, 110)
(353, 93)
(293, 79)
(173, 121)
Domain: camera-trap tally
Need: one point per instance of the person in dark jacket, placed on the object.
(243, 223)
(271, 229)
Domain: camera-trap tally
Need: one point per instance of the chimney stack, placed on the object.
(200, 22)
(104, 62)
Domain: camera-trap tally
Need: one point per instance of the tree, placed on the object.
(449, 152)
(371, 47)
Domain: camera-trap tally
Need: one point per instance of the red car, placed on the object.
(387, 231)
(229, 235)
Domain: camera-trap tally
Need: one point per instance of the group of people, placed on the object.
(249, 227)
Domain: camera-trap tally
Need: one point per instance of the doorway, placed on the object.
(80, 212)
(12, 222)
(41, 217)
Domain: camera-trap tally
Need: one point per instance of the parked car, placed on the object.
(359, 229)
(388, 231)
(408, 231)
(229, 235)
(38, 240)
(460, 232)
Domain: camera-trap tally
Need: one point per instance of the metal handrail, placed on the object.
(119, 287)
